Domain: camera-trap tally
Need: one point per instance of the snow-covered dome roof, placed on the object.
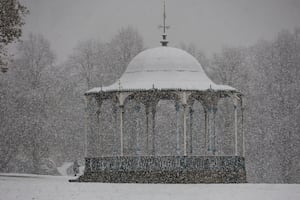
(163, 68)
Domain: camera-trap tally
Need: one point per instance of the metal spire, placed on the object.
(164, 41)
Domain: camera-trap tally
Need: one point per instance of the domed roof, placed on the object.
(164, 59)
(163, 68)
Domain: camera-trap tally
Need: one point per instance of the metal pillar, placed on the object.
(147, 129)
(205, 131)
(214, 129)
(191, 130)
(235, 128)
(184, 130)
(115, 116)
(138, 132)
(211, 130)
(87, 123)
(153, 128)
(99, 139)
(177, 129)
(99, 136)
(121, 130)
(242, 124)
(121, 99)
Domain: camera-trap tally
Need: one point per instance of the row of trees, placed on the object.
(42, 104)
(268, 74)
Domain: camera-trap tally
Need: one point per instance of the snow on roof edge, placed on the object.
(98, 90)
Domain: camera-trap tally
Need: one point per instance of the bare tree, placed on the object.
(32, 86)
(199, 55)
(85, 60)
(94, 63)
(126, 44)
(12, 15)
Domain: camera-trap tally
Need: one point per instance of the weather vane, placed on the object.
(164, 42)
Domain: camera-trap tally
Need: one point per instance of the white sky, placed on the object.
(209, 24)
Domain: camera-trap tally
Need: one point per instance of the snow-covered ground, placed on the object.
(34, 187)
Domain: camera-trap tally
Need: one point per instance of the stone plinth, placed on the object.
(165, 169)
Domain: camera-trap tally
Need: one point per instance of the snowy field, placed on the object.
(33, 187)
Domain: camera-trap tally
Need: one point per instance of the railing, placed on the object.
(164, 163)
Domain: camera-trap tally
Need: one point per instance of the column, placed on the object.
(138, 132)
(177, 108)
(184, 130)
(115, 116)
(242, 124)
(92, 128)
(121, 100)
(87, 124)
(209, 130)
(191, 111)
(214, 129)
(121, 129)
(184, 96)
(211, 118)
(205, 131)
(98, 138)
(147, 128)
(235, 127)
(153, 109)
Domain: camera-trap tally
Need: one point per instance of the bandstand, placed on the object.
(164, 73)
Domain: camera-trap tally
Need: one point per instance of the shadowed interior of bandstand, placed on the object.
(158, 147)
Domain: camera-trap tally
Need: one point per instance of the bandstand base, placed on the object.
(165, 169)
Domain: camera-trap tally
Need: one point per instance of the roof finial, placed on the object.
(164, 41)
